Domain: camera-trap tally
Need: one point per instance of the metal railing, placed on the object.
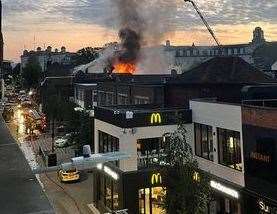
(261, 102)
(151, 159)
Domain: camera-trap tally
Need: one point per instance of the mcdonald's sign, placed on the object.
(156, 179)
(156, 118)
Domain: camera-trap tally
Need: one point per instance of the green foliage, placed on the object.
(187, 187)
(16, 70)
(32, 73)
(85, 55)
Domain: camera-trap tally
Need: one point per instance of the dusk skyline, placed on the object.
(76, 24)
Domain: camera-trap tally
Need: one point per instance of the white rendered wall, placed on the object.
(223, 116)
(128, 139)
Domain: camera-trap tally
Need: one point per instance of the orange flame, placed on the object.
(125, 68)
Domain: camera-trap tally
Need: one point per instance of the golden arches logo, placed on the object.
(156, 179)
(196, 176)
(156, 118)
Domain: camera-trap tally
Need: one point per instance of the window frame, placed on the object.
(210, 150)
(233, 134)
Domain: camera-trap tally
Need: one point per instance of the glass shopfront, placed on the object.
(108, 143)
(108, 193)
(151, 200)
(222, 205)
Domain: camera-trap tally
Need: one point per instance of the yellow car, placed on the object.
(69, 175)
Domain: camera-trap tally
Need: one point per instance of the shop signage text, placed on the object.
(156, 118)
(266, 208)
(218, 186)
(260, 157)
(156, 179)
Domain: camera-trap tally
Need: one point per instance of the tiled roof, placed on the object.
(224, 70)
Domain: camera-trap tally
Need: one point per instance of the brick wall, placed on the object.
(260, 116)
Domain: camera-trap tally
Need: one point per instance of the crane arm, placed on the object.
(204, 21)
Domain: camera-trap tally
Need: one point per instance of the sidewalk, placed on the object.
(45, 142)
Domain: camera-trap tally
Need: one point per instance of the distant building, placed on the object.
(98, 65)
(47, 57)
(6, 68)
(183, 58)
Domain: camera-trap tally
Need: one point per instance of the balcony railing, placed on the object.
(149, 159)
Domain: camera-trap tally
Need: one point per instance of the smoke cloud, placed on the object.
(143, 24)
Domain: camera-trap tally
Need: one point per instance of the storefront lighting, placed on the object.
(224, 189)
(99, 166)
(111, 173)
(231, 140)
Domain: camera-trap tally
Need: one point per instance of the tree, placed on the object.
(187, 187)
(85, 55)
(85, 130)
(32, 73)
(17, 81)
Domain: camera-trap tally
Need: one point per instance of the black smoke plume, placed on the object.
(131, 45)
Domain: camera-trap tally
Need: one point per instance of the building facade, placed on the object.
(46, 57)
(183, 58)
(235, 144)
(135, 183)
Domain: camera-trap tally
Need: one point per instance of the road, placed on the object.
(70, 198)
(20, 192)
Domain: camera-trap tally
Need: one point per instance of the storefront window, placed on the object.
(204, 141)
(109, 194)
(229, 148)
(142, 201)
(222, 205)
(115, 197)
(151, 200)
(157, 195)
(107, 143)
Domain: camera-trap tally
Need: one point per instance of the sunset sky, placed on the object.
(79, 23)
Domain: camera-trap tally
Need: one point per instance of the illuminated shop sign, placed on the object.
(224, 189)
(156, 179)
(260, 157)
(108, 171)
(156, 118)
(266, 208)
(196, 176)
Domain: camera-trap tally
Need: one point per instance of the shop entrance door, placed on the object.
(151, 200)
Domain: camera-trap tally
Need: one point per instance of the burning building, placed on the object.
(125, 60)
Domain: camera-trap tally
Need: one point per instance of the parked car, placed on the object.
(69, 175)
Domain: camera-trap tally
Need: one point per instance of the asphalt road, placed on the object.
(20, 192)
(69, 198)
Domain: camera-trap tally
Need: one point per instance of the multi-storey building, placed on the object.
(132, 114)
(47, 57)
(256, 53)
(235, 143)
